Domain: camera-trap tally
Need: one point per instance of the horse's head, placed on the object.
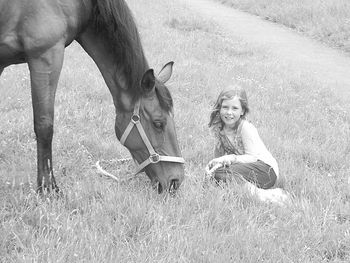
(149, 132)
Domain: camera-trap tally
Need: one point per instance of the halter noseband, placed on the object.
(154, 156)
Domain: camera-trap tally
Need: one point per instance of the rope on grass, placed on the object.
(104, 172)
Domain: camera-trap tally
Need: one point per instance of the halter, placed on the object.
(154, 157)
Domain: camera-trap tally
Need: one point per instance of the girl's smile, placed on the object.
(231, 112)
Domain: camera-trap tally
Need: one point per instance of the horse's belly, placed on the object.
(7, 57)
(11, 51)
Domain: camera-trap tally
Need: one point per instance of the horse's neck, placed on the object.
(99, 53)
(111, 39)
(112, 73)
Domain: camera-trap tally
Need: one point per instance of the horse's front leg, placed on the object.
(44, 73)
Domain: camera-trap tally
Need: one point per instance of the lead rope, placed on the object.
(118, 161)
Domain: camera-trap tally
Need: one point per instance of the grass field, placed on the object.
(325, 20)
(305, 126)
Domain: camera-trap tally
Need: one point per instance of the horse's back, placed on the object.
(28, 27)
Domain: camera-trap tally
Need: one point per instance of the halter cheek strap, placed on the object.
(154, 156)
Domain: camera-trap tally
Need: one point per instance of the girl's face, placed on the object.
(231, 111)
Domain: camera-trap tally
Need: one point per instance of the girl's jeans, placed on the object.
(258, 173)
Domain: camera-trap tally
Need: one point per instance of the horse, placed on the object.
(37, 32)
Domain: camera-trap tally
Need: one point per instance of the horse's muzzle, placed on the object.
(172, 188)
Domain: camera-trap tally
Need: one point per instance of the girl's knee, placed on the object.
(226, 175)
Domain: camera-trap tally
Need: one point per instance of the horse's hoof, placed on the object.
(52, 189)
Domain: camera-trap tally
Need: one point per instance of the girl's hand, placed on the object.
(210, 169)
(220, 162)
(224, 160)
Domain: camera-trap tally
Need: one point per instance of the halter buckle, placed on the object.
(135, 118)
(154, 158)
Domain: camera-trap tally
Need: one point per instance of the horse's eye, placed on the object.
(158, 125)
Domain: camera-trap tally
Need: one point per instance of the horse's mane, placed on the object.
(113, 20)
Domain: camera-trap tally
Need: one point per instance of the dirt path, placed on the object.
(305, 55)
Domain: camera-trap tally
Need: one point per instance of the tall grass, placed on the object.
(324, 20)
(305, 126)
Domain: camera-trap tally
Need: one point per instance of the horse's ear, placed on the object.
(148, 81)
(165, 73)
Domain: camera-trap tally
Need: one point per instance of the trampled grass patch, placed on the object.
(305, 126)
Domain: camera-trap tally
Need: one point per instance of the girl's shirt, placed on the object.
(246, 140)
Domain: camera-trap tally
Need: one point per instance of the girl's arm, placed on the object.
(252, 144)
(249, 135)
(245, 158)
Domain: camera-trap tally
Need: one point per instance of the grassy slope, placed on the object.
(324, 20)
(303, 124)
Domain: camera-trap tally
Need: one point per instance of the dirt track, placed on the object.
(328, 65)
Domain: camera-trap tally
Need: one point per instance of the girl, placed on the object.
(240, 154)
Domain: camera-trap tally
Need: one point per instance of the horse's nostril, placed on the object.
(160, 188)
(174, 184)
